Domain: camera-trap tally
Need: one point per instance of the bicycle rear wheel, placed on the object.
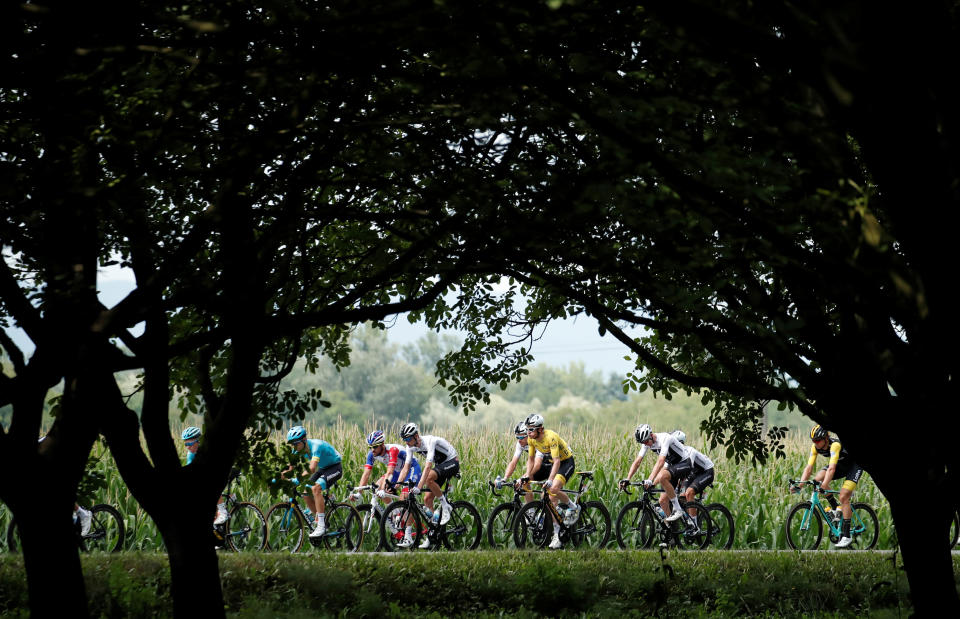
(721, 526)
(464, 529)
(344, 529)
(285, 527)
(592, 528)
(246, 530)
(692, 531)
(398, 518)
(864, 528)
(500, 526)
(533, 525)
(804, 527)
(106, 530)
(635, 526)
(370, 519)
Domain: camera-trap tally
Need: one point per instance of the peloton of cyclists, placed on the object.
(840, 464)
(323, 472)
(392, 456)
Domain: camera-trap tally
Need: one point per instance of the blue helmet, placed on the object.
(190, 433)
(296, 433)
(375, 438)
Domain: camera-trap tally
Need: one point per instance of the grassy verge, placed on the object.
(597, 583)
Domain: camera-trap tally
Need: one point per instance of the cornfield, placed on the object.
(757, 496)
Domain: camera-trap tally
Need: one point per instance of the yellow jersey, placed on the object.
(550, 444)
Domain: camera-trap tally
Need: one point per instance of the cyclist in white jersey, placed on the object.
(671, 452)
(522, 448)
(441, 463)
(693, 474)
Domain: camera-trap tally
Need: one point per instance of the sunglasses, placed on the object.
(191, 443)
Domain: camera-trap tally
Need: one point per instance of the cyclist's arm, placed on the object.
(511, 467)
(658, 466)
(365, 476)
(635, 466)
(406, 467)
(423, 474)
(806, 473)
(530, 462)
(810, 462)
(283, 473)
(832, 466)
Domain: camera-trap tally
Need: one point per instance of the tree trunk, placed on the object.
(194, 569)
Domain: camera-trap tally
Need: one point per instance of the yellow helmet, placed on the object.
(818, 432)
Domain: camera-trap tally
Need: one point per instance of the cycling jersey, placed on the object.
(520, 450)
(437, 449)
(668, 445)
(846, 467)
(322, 453)
(550, 444)
(395, 456)
(190, 456)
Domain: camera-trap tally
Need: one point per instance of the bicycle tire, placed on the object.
(370, 519)
(246, 529)
(106, 530)
(803, 515)
(864, 515)
(689, 537)
(396, 517)
(285, 527)
(954, 530)
(500, 526)
(593, 527)
(344, 529)
(722, 529)
(532, 524)
(635, 526)
(464, 530)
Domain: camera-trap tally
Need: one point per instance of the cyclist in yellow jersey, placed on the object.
(839, 465)
(550, 444)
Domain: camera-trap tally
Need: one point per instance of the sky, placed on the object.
(563, 341)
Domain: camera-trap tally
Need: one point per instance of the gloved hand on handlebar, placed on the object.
(415, 490)
(623, 483)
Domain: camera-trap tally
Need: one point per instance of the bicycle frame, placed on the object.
(856, 524)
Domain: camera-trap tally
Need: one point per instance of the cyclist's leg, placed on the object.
(430, 481)
(699, 481)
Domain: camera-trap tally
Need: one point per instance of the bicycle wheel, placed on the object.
(721, 526)
(464, 530)
(692, 531)
(532, 525)
(500, 526)
(370, 519)
(344, 529)
(804, 527)
(954, 530)
(246, 530)
(592, 528)
(400, 518)
(106, 530)
(635, 526)
(285, 527)
(864, 528)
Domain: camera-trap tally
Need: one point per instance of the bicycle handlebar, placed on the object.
(814, 483)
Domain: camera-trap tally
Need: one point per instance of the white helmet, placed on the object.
(680, 436)
(643, 432)
(520, 430)
(409, 430)
(534, 421)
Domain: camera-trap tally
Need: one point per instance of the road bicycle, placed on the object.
(106, 532)
(722, 529)
(805, 521)
(500, 522)
(534, 522)
(246, 528)
(463, 531)
(288, 524)
(370, 515)
(642, 522)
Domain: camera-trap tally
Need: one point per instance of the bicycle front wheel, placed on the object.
(106, 530)
(464, 529)
(370, 518)
(533, 525)
(721, 526)
(864, 527)
(804, 527)
(400, 526)
(285, 527)
(635, 526)
(246, 530)
(500, 526)
(344, 529)
(592, 528)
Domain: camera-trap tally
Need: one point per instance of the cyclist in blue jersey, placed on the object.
(191, 442)
(324, 470)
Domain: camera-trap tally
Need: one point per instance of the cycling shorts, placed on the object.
(446, 469)
(539, 475)
(699, 479)
(566, 470)
(679, 470)
(852, 472)
(327, 476)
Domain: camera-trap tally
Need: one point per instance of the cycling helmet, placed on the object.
(680, 436)
(534, 421)
(643, 432)
(296, 433)
(818, 432)
(409, 430)
(190, 433)
(520, 430)
(375, 438)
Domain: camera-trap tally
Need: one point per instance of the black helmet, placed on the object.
(818, 432)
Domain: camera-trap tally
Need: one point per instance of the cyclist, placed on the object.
(539, 472)
(671, 453)
(839, 465)
(441, 463)
(562, 467)
(324, 470)
(391, 455)
(191, 442)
